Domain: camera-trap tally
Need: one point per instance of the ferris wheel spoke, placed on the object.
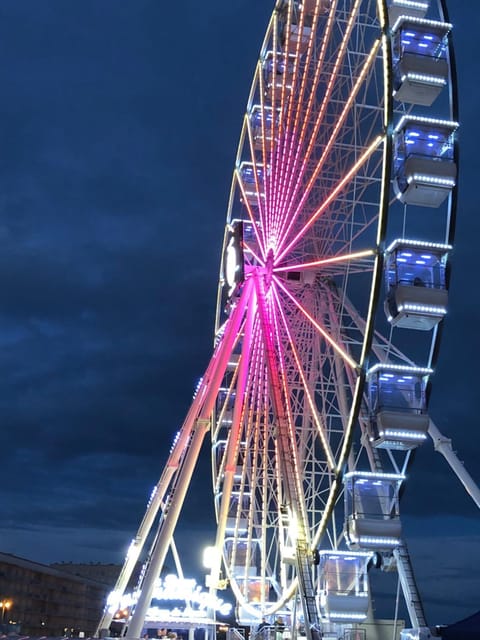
(316, 79)
(332, 79)
(297, 87)
(268, 133)
(350, 102)
(294, 454)
(314, 414)
(288, 469)
(290, 159)
(275, 126)
(350, 227)
(307, 266)
(351, 362)
(357, 166)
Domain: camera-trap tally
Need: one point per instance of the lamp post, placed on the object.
(5, 606)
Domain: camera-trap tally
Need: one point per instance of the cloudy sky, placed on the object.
(119, 124)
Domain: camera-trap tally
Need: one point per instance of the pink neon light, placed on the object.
(331, 82)
(318, 263)
(340, 186)
(278, 164)
(328, 452)
(289, 169)
(336, 130)
(320, 329)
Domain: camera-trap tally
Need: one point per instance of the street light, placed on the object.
(5, 606)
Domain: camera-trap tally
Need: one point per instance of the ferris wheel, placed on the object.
(333, 287)
(339, 225)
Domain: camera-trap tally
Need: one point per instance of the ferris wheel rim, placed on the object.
(377, 269)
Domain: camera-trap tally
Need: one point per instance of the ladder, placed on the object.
(409, 586)
(307, 590)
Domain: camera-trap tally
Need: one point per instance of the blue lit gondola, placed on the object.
(420, 65)
(397, 406)
(424, 168)
(417, 295)
(372, 510)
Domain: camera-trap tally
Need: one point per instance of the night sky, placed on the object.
(119, 123)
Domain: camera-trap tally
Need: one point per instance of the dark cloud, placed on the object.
(119, 125)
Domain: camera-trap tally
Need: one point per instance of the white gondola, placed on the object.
(397, 403)
(247, 174)
(413, 8)
(424, 168)
(372, 510)
(344, 592)
(417, 295)
(278, 72)
(420, 65)
(300, 25)
(260, 121)
(242, 556)
(237, 518)
(220, 449)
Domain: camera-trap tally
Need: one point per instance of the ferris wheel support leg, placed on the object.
(198, 422)
(165, 534)
(161, 545)
(443, 445)
(156, 501)
(233, 445)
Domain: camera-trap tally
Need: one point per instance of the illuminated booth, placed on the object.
(424, 168)
(343, 579)
(420, 65)
(372, 510)
(415, 277)
(398, 406)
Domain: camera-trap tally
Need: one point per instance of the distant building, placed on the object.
(53, 600)
(104, 573)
